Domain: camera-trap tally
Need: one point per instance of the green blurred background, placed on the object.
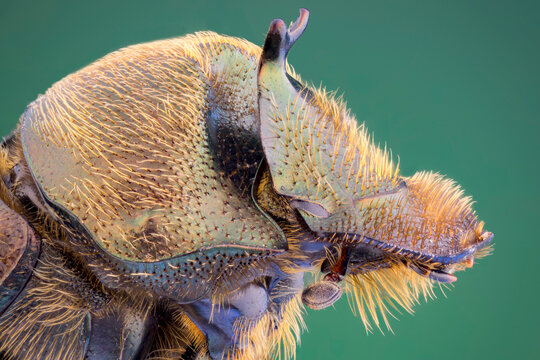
(451, 86)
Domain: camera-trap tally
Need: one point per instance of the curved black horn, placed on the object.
(279, 39)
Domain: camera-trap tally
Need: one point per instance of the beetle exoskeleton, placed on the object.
(167, 200)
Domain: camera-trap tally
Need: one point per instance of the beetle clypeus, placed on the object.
(167, 200)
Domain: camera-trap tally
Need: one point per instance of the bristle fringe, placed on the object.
(375, 295)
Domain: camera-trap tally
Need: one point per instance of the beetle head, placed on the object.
(346, 191)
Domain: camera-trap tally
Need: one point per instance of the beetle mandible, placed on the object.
(167, 201)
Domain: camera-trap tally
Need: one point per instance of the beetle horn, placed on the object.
(279, 39)
(278, 89)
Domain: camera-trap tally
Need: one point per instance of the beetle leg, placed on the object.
(118, 335)
(245, 323)
(46, 312)
(19, 250)
(66, 311)
(217, 321)
(19, 187)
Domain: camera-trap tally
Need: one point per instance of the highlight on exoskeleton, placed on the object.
(168, 200)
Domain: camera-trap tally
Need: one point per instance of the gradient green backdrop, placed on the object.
(451, 86)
